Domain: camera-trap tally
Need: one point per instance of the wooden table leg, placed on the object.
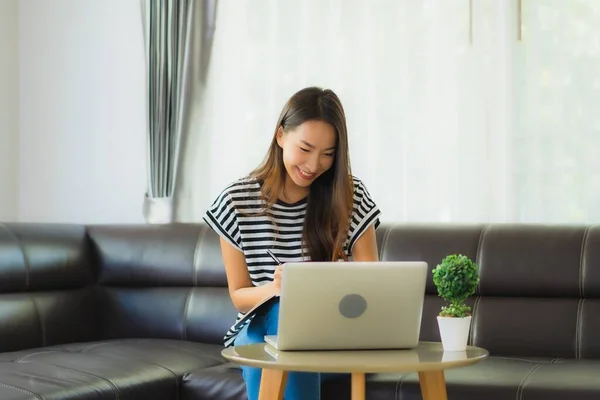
(272, 384)
(358, 386)
(433, 385)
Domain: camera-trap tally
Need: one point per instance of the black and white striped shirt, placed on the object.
(236, 216)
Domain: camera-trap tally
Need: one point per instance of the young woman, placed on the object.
(302, 203)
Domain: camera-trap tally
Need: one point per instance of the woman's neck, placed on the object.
(293, 193)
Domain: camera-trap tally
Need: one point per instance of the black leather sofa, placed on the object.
(139, 312)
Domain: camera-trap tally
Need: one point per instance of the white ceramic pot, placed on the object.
(449, 356)
(454, 332)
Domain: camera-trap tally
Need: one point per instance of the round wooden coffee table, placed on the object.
(428, 359)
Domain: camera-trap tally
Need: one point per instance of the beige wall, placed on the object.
(8, 109)
(81, 98)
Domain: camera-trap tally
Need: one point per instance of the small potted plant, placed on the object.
(456, 278)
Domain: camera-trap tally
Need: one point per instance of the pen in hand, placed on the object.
(274, 257)
(277, 274)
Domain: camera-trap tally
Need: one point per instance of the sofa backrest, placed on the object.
(46, 278)
(161, 281)
(539, 291)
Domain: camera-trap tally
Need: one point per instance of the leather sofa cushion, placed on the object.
(589, 320)
(494, 378)
(506, 378)
(45, 274)
(44, 257)
(564, 379)
(531, 261)
(38, 319)
(223, 382)
(158, 255)
(131, 368)
(590, 263)
(201, 314)
(164, 281)
(417, 243)
(30, 381)
(505, 326)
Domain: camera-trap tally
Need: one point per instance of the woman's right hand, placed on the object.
(277, 279)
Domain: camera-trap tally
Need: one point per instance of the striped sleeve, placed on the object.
(221, 216)
(366, 213)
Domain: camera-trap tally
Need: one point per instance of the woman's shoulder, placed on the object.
(235, 197)
(242, 187)
(360, 189)
(363, 200)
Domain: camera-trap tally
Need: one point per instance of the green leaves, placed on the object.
(456, 278)
(455, 310)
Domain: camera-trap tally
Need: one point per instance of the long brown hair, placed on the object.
(330, 199)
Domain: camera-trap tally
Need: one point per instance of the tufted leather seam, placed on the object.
(386, 235)
(578, 328)
(472, 329)
(582, 261)
(42, 328)
(112, 385)
(144, 361)
(27, 279)
(150, 363)
(177, 381)
(18, 360)
(93, 346)
(522, 384)
(25, 260)
(478, 258)
(514, 359)
(185, 313)
(170, 346)
(20, 389)
(195, 261)
(166, 369)
(194, 352)
(399, 387)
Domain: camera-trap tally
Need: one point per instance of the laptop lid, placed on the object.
(351, 305)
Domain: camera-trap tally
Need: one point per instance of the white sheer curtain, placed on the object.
(557, 110)
(440, 122)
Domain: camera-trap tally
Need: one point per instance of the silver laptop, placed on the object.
(350, 305)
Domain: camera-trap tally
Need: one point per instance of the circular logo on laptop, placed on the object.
(353, 306)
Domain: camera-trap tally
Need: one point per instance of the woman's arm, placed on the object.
(365, 248)
(243, 294)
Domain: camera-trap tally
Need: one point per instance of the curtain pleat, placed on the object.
(175, 46)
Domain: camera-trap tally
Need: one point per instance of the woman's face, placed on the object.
(308, 151)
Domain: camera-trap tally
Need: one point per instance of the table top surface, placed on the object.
(427, 356)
